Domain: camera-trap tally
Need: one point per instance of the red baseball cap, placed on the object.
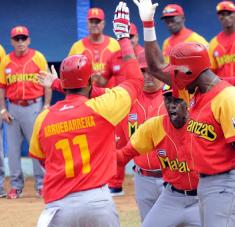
(19, 30)
(95, 13)
(133, 29)
(225, 6)
(172, 10)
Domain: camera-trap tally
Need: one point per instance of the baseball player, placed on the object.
(19, 86)
(222, 46)
(78, 164)
(2, 171)
(211, 127)
(177, 205)
(147, 172)
(97, 46)
(173, 16)
(114, 70)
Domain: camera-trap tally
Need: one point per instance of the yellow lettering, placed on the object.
(68, 126)
(203, 130)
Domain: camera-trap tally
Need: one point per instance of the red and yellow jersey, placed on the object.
(113, 69)
(137, 49)
(146, 106)
(99, 53)
(185, 35)
(222, 54)
(2, 53)
(19, 75)
(75, 137)
(168, 144)
(211, 130)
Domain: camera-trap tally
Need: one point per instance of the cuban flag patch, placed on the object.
(161, 152)
(116, 68)
(8, 71)
(216, 54)
(132, 117)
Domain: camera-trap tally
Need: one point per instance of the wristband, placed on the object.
(148, 24)
(149, 34)
(3, 111)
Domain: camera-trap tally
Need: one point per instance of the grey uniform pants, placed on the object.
(174, 209)
(217, 200)
(2, 172)
(90, 208)
(147, 191)
(21, 127)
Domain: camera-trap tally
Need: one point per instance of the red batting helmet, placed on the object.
(75, 71)
(187, 62)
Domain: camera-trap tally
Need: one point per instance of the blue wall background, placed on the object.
(52, 24)
(56, 24)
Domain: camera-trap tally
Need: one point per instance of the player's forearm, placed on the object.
(155, 60)
(47, 96)
(2, 99)
(125, 154)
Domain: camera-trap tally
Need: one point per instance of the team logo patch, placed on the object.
(116, 68)
(161, 152)
(192, 103)
(233, 121)
(216, 54)
(65, 107)
(8, 71)
(132, 117)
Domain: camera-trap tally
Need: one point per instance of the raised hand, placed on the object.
(46, 79)
(146, 9)
(121, 22)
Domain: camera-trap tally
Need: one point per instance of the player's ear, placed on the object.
(29, 41)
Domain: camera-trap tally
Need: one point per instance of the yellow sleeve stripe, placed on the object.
(77, 48)
(113, 45)
(148, 135)
(35, 148)
(4, 63)
(194, 37)
(213, 44)
(40, 61)
(2, 53)
(114, 105)
(224, 111)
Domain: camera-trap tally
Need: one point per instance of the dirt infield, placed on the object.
(25, 211)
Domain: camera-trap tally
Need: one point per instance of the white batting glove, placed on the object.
(121, 22)
(146, 9)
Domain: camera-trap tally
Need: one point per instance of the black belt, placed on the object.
(185, 192)
(23, 102)
(148, 173)
(210, 175)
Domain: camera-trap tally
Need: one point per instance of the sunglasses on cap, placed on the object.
(20, 37)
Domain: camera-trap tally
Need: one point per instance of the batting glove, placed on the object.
(121, 22)
(146, 10)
